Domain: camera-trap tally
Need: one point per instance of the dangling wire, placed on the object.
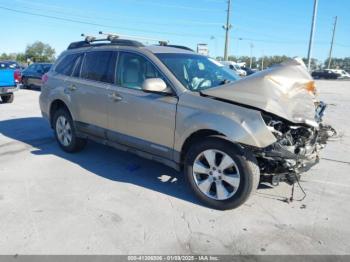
(291, 199)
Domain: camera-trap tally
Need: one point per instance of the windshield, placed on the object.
(197, 72)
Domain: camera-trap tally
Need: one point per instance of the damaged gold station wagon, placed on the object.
(169, 104)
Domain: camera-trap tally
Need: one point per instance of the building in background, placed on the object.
(203, 49)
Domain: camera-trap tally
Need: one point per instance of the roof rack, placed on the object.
(116, 35)
(119, 40)
(109, 40)
(180, 47)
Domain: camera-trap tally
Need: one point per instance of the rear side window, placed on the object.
(99, 66)
(77, 67)
(66, 66)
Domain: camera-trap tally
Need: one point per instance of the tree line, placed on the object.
(268, 61)
(36, 52)
(41, 52)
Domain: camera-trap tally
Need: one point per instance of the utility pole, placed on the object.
(313, 25)
(262, 61)
(227, 28)
(251, 55)
(331, 50)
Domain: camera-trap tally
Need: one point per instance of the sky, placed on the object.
(271, 27)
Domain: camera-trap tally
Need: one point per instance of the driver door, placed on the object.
(145, 121)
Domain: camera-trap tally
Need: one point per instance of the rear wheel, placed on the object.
(65, 132)
(7, 98)
(220, 174)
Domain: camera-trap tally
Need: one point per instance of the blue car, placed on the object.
(10, 77)
(31, 76)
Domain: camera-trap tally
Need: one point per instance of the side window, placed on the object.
(46, 68)
(99, 66)
(31, 67)
(65, 67)
(77, 66)
(133, 69)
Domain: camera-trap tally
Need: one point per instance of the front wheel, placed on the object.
(65, 132)
(7, 98)
(222, 175)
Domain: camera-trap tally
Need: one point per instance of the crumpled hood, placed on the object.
(283, 90)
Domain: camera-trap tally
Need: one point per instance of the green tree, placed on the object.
(341, 63)
(5, 56)
(314, 63)
(40, 52)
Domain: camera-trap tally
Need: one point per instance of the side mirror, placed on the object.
(155, 85)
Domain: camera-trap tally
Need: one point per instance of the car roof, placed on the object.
(156, 49)
(78, 47)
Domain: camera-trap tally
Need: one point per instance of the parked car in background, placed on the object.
(31, 77)
(248, 70)
(189, 112)
(235, 67)
(10, 77)
(325, 74)
(343, 74)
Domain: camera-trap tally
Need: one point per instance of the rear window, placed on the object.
(99, 66)
(66, 65)
(9, 65)
(46, 68)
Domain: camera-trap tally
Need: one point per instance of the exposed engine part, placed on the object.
(296, 150)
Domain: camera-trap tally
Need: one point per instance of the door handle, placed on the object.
(115, 97)
(72, 87)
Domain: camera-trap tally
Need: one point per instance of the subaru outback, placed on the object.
(187, 111)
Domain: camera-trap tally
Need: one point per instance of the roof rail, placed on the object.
(177, 46)
(109, 40)
(116, 35)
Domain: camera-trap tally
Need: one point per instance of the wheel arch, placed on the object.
(195, 137)
(55, 105)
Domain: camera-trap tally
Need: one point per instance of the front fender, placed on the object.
(238, 124)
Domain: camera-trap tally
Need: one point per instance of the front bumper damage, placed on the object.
(296, 150)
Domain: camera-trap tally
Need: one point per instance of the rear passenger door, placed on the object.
(145, 121)
(89, 87)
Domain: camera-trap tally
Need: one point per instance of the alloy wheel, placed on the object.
(216, 174)
(64, 131)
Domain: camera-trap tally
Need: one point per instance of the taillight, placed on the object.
(44, 78)
(17, 75)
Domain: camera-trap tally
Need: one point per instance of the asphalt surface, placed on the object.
(103, 201)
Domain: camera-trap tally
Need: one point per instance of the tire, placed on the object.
(66, 128)
(7, 98)
(24, 83)
(244, 161)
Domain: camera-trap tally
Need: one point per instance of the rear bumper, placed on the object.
(8, 89)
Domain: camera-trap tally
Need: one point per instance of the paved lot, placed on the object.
(102, 201)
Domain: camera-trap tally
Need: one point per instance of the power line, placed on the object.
(134, 19)
(181, 7)
(101, 25)
(286, 42)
